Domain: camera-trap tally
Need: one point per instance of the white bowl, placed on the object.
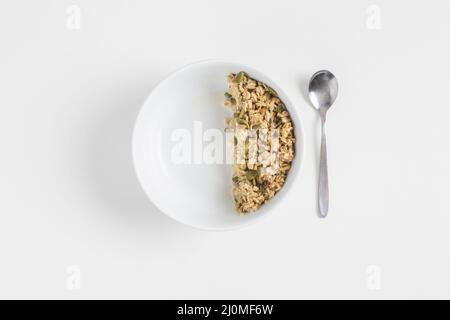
(198, 195)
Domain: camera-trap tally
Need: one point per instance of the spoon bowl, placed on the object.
(323, 89)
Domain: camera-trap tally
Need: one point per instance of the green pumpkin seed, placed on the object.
(239, 77)
(242, 121)
(272, 91)
(228, 96)
(281, 108)
(251, 174)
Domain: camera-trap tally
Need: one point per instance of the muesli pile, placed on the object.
(263, 138)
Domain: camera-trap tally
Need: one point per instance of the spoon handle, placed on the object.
(323, 173)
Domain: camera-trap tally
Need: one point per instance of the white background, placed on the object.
(69, 195)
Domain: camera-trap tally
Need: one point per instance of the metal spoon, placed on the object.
(323, 89)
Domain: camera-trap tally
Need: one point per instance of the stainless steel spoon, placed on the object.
(323, 89)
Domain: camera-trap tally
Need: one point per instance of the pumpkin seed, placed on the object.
(239, 77)
(251, 174)
(272, 91)
(242, 121)
(281, 108)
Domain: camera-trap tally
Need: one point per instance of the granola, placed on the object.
(264, 141)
